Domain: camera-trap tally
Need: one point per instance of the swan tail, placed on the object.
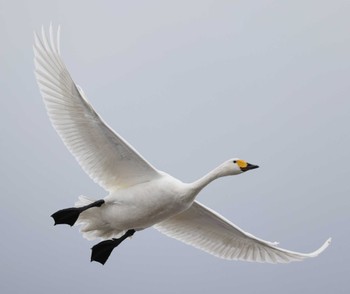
(83, 200)
(93, 225)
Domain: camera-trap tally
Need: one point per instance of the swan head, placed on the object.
(236, 166)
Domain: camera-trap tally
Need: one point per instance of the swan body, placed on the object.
(137, 207)
(140, 196)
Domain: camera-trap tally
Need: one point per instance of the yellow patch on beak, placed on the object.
(242, 163)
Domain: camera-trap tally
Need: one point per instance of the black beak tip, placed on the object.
(249, 167)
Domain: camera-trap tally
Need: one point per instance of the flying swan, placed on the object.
(140, 196)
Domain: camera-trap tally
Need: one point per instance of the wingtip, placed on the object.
(328, 242)
(322, 248)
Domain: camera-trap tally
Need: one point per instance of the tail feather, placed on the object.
(83, 200)
(89, 216)
(92, 223)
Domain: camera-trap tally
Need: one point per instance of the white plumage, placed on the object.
(140, 196)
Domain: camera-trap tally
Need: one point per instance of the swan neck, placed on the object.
(207, 179)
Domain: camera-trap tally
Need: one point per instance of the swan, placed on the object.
(139, 195)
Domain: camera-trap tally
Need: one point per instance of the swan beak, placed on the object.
(249, 167)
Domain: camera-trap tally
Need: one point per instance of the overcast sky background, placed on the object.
(189, 84)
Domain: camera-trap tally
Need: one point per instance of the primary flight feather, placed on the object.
(140, 196)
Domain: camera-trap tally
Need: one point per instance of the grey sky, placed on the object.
(189, 84)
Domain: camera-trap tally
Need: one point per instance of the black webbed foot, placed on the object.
(102, 251)
(70, 215)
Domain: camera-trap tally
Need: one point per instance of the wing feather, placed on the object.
(205, 229)
(103, 154)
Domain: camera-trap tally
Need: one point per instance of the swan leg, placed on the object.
(101, 251)
(70, 215)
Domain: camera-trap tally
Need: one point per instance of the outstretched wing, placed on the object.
(205, 229)
(104, 155)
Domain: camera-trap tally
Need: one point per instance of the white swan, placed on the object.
(140, 196)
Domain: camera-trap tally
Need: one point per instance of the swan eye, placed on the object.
(235, 161)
